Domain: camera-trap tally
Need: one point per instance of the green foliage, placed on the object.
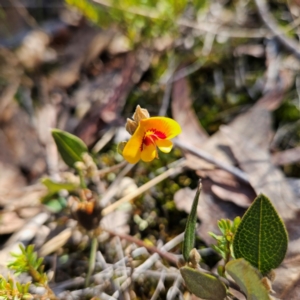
(54, 203)
(258, 240)
(203, 285)
(28, 262)
(189, 234)
(139, 19)
(224, 241)
(25, 262)
(55, 187)
(10, 289)
(70, 147)
(248, 278)
(52, 199)
(261, 237)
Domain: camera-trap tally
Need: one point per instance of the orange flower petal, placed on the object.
(164, 145)
(167, 126)
(149, 152)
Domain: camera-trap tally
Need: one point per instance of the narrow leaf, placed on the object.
(203, 285)
(19, 287)
(69, 146)
(261, 237)
(248, 279)
(189, 234)
(55, 187)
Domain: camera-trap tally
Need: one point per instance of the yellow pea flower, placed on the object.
(148, 134)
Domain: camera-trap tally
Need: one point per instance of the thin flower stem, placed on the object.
(92, 260)
(81, 178)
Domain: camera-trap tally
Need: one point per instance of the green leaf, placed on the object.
(69, 146)
(19, 287)
(55, 187)
(189, 234)
(56, 205)
(261, 237)
(26, 287)
(248, 278)
(203, 285)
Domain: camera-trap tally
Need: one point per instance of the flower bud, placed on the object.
(267, 284)
(194, 258)
(131, 126)
(140, 114)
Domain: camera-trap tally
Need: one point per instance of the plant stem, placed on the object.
(81, 177)
(36, 276)
(92, 260)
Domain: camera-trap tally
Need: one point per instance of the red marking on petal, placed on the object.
(147, 140)
(160, 135)
(151, 136)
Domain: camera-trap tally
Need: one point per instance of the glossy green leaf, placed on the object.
(261, 237)
(69, 146)
(248, 278)
(203, 285)
(189, 234)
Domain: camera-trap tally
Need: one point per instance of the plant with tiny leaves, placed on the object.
(224, 241)
(28, 262)
(11, 289)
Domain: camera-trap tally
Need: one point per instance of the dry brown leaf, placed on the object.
(233, 195)
(184, 114)
(286, 157)
(227, 187)
(264, 177)
(254, 124)
(287, 279)
(271, 100)
(287, 275)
